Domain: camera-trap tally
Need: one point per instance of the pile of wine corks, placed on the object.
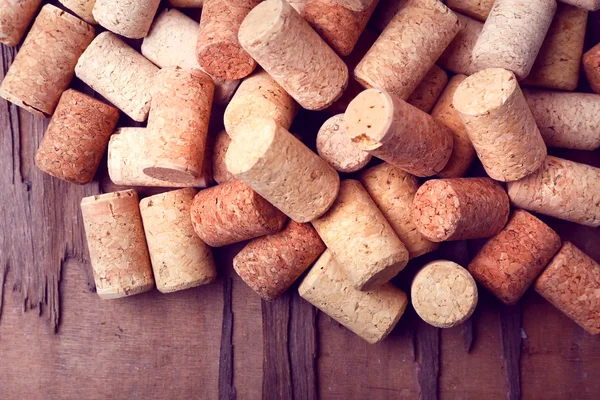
(339, 160)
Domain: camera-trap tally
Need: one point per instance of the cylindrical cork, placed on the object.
(460, 208)
(393, 190)
(14, 20)
(386, 11)
(500, 124)
(562, 189)
(220, 172)
(180, 260)
(511, 261)
(285, 46)
(131, 19)
(591, 67)
(361, 239)
(478, 9)
(430, 88)
(393, 130)
(371, 315)
(591, 5)
(444, 294)
(284, 171)
(82, 8)
(76, 138)
(458, 57)
(270, 264)
(335, 147)
(45, 64)
(117, 245)
(444, 112)
(119, 73)
(568, 120)
(408, 47)
(355, 5)
(513, 35)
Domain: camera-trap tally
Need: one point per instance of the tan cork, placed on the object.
(82, 8)
(371, 315)
(76, 138)
(45, 63)
(361, 239)
(591, 5)
(298, 5)
(293, 54)
(117, 245)
(180, 260)
(572, 284)
(458, 57)
(129, 18)
(385, 12)
(393, 190)
(501, 127)
(478, 9)
(335, 147)
(430, 88)
(510, 262)
(271, 264)
(460, 208)
(444, 294)
(591, 67)
(393, 130)
(220, 172)
(119, 73)
(562, 189)
(355, 5)
(186, 4)
(408, 47)
(15, 17)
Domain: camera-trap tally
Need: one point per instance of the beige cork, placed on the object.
(15, 17)
(220, 172)
(180, 260)
(501, 127)
(408, 47)
(45, 63)
(460, 208)
(562, 189)
(82, 8)
(591, 5)
(428, 91)
(335, 147)
(285, 46)
(591, 67)
(511, 261)
(76, 138)
(371, 315)
(119, 73)
(355, 5)
(186, 4)
(117, 245)
(478, 9)
(393, 190)
(458, 57)
(393, 130)
(444, 294)
(129, 18)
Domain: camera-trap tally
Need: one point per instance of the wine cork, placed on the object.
(14, 20)
(44, 66)
(557, 64)
(500, 124)
(430, 88)
(355, 5)
(408, 47)
(119, 73)
(591, 5)
(270, 264)
(458, 57)
(335, 147)
(186, 4)
(76, 138)
(478, 9)
(371, 315)
(444, 294)
(117, 245)
(233, 212)
(562, 189)
(568, 120)
(81, 8)
(591, 67)
(293, 54)
(444, 112)
(386, 11)
(460, 208)
(513, 35)
(511, 261)
(361, 239)
(180, 260)
(395, 131)
(220, 172)
(283, 170)
(393, 190)
(131, 19)
(218, 50)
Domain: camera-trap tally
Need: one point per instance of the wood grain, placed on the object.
(226, 388)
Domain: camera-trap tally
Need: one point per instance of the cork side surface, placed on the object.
(220, 172)
(591, 67)
(591, 5)
(129, 18)
(429, 89)
(82, 8)
(458, 56)
(14, 20)
(478, 9)
(335, 147)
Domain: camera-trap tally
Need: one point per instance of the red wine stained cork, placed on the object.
(180, 260)
(117, 245)
(131, 19)
(293, 54)
(478, 9)
(408, 47)
(458, 57)
(371, 315)
(76, 138)
(562, 189)
(393, 130)
(270, 264)
(335, 147)
(45, 64)
(186, 4)
(500, 124)
(81, 8)
(218, 50)
(14, 20)
(220, 172)
(558, 62)
(591, 5)
(444, 294)
(119, 73)
(361, 239)
(430, 88)
(231, 213)
(393, 191)
(355, 5)
(511, 261)
(568, 120)
(460, 208)
(591, 67)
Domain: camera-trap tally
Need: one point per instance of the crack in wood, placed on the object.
(3, 272)
(226, 386)
(510, 331)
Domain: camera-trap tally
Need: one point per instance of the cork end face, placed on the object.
(261, 22)
(436, 210)
(225, 60)
(368, 118)
(485, 91)
(252, 140)
(335, 147)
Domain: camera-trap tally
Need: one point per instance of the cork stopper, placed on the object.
(14, 20)
(81, 8)
(430, 88)
(355, 5)
(591, 5)
(220, 172)
(458, 57)
(131, 19)
(335, 147)
(478, 9)
(591, 67)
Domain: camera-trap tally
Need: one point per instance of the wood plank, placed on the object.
(510, 332)
(303, 348)
(226, 388)
(428, 359)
